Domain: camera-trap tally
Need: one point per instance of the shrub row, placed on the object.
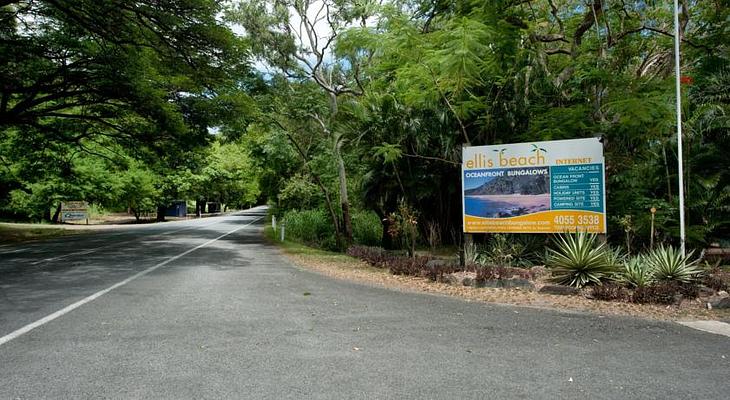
(375, 256)
(656, 293)
(431, 268)
(490, 273)
(399, 264)
(580, 260)
(314, 228)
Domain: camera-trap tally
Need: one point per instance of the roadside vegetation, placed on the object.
(348, 118)
(18, 233)
(490, 283)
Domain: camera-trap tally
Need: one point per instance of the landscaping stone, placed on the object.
(487, 284)
(517, 283)
(468, 281)
(505, 284)
(539, 270)
(559, 290)
(704, 291)
(452, 279)
(722, 293)
(723, 303)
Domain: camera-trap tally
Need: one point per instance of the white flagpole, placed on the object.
(680, 160)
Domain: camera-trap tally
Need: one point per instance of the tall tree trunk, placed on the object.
(57, 213)
(341, 171)
(161, 213)
(387, 240)
(318, 181)
(344, 200)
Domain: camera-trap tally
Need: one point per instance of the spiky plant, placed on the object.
(636, 272)
(668, 264)
(577, 260)
(615, 257)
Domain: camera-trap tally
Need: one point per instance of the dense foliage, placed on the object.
(339, 108)
(392, 90)
(112, 102)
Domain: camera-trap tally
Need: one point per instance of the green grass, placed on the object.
(12, 233)
(297, 248)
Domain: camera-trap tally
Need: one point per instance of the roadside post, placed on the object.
(273, 222)
(651, 238)
(283, 228)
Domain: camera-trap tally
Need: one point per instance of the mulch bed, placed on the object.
(354, 270)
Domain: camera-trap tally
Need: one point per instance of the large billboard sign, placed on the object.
(539, 187)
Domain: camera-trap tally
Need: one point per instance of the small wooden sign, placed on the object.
(74, 211)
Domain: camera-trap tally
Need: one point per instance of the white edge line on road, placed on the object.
(71, 307)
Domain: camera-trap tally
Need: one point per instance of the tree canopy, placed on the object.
(345, 105)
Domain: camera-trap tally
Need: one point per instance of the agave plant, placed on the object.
(577, 260)
(615, 257)
(636, 272)
(668, 264)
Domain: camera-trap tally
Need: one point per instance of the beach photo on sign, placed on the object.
(504, 193)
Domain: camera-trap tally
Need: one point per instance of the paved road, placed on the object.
(232, 319)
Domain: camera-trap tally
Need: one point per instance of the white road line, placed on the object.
(100, 293)
(94, 250)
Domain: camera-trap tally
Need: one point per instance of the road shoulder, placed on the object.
(343, 267)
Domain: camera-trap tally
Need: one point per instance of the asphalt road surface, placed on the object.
(205, 309)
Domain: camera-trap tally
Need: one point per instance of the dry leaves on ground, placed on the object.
(355, 270)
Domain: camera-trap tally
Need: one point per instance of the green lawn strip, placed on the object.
(11, 233)
(296, 248)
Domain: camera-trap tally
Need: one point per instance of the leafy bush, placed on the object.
(688, 290)
(636, 272)
(490, 273)
(403, 227)
(668, 264)
(657, 293)
(412, 266)
(312, 227)
(471, 253)
(297, 193)
(610, 292)
(717, 278)
(715, 283)
(437, 271)
(366, 228)
(578, 261)
(375, 256)
(665, 292)
(511, 250)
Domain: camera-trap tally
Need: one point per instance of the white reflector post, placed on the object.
(680, 160)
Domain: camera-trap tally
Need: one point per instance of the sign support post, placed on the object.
(680, 158)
